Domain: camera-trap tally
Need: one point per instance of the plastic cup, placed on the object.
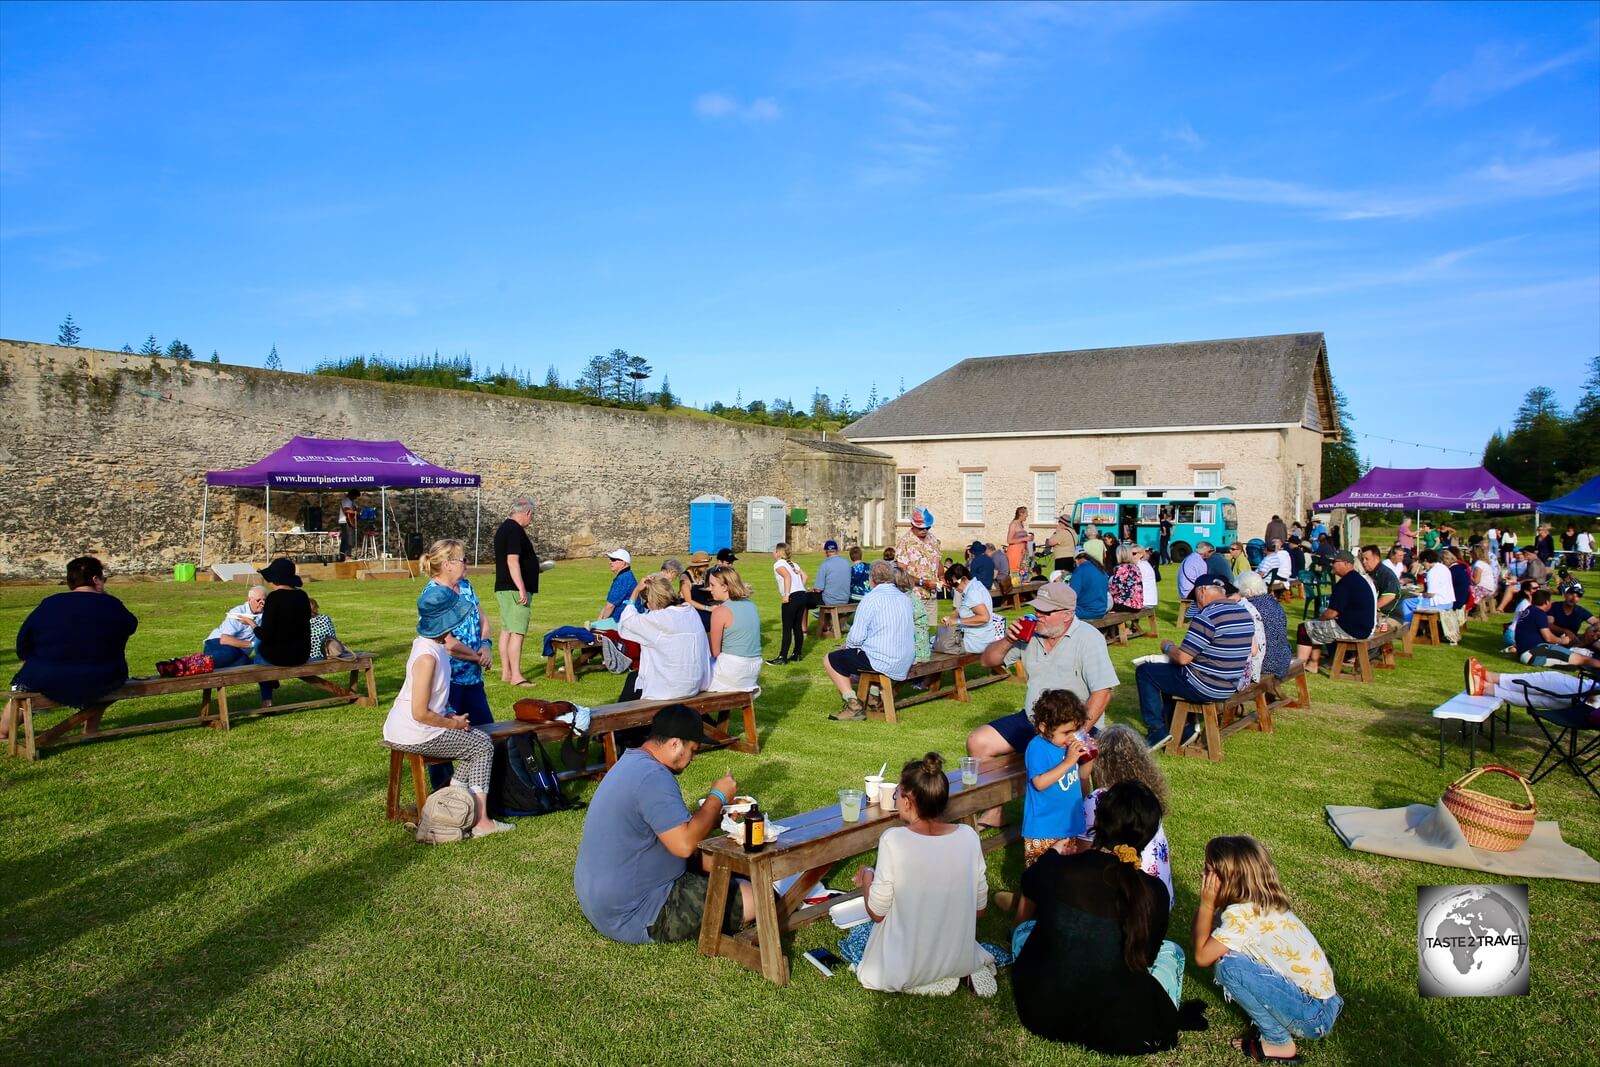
(874, 787)
(850, 804)
(1026, 625)
(969, 770)
(1090, 749)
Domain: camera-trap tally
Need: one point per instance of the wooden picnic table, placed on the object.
(1017, 596)
(816, 839)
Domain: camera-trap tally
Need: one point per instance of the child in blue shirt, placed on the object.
(1052, 810)
(859, 572)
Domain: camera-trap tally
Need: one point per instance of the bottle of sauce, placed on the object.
(755, 829)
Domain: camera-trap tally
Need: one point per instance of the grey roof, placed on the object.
(838, 448)
(1238, 382)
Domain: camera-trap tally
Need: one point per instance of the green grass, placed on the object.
(196, 897)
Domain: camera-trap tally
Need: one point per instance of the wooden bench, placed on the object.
(1125, 624)
(822, 839)
(1015, 597)
(608, 720)
(1425, 628)
(17, 722)
(1223, 717)
(1356, 656)
(831, 617)
(934, 669)
(574, 653)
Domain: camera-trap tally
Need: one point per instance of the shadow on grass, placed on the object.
(149, 1012)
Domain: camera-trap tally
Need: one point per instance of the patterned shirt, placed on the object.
(1281, 941)
(1219, 638)
(919, 557)
(468, 631)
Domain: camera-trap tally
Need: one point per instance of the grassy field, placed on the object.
(193, 897)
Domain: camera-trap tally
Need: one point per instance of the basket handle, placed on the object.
(1466, 779)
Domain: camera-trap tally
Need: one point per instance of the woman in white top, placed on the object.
(1123, 757)
(796, 602)
(974, 617)
(1147, 574)
(924, 897)
(422, 720)
(674, 655)
(1438, 592)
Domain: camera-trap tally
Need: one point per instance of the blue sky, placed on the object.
(776, 198)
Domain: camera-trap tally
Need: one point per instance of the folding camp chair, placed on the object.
(1573, 717)
(1311, 588)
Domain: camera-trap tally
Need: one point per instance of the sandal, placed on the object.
(1251, 1047)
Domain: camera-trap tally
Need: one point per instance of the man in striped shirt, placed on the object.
(1210, 664)
(881, 639)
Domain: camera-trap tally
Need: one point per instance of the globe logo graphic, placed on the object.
(1474, 943)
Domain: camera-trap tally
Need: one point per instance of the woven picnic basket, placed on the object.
(1488, 821)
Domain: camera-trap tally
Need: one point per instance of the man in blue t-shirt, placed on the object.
(1208, 666)
(1571, 617)
(623, 583)
(1351, 615)
(979, 565)
(1092, 586)
(833, 575)
(1536, 638)
(632, 878)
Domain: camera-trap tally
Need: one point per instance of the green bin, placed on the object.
(183, 572)
(797, 516)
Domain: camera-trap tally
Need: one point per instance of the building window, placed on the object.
(908, 496)
(1124, 477)
(972, 498)
(1044, 496)
(1208, 479)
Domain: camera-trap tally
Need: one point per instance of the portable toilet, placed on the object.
(765, 527)
(710, 524)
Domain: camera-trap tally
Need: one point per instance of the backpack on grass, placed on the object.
(447, 816)
(523, 781)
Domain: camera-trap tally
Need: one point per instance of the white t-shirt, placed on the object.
(1441, 590)
(1494, 533)
(1585, 541)
(1398, 568)
(400, 727)
(345, 505)
(674, 653)
(928, 889)
(1277, 563)
(1483, 574)
(1147, 574)
(1155, 860)
(796, 579)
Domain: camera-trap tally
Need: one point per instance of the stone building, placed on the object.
(995, 433)
(106, 452)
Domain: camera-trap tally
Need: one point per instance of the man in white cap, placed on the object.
(917, 553)
(623, 583)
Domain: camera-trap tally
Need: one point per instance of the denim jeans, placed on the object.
(1159, 685)
(1167, 968)
(1409, 606)
(226, 655)
(1280, 1009)
(473, 702)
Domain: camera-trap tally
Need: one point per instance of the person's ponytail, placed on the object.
(1126, 820)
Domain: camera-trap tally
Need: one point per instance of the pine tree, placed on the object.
(214, 357)
(872, 398)
(665, 398)
(150, 348)
(178, 350)
(617, 373)
(1341, 463)
(843, 410)
(552, 378)
(127, 349)
(638, 370)
(69, 332)
(275, 363)
(738, 398)
(596, 373)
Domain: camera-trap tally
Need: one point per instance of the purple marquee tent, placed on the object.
(339, 463)
(1429, 489)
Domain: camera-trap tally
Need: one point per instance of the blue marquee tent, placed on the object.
(1584, 500)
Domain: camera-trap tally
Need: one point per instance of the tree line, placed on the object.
(1549, 452)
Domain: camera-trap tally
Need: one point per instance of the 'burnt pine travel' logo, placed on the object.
(1472, 940)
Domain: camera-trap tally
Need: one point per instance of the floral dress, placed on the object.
(1127, 586)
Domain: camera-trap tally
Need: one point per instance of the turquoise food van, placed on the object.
(1133, 514)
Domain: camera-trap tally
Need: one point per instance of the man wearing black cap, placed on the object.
(979, 565)
(1207, 666)
(284, 632)
(1352, 612)
(631, 878)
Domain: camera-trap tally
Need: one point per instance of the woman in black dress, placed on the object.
(1094, 967)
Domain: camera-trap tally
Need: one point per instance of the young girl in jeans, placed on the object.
(1267, 961)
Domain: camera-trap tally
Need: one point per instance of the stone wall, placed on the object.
(1261, 465)
(107, 453)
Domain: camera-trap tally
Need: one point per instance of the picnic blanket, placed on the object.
(1431, 834)
(576, 632)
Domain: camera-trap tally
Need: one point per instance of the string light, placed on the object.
(1414, 444)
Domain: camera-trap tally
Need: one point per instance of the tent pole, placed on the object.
(205, 507)
(383, 502)
(477, 525)
(266, 531)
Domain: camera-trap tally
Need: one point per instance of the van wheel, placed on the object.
(1177, 550)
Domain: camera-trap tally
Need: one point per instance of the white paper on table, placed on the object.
(736, 829)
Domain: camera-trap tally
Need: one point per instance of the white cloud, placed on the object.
(1499, 68)
(1184, 134)
(726, 106)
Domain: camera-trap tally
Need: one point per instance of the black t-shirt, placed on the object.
(1570, 617)
(1071, 982)
(1358, 609)
(1297, 558)
(285, 630)
(1387, 584)
(512, 540)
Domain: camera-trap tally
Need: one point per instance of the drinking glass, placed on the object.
(969, 770)
(850, 804)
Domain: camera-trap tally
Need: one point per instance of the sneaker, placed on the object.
(851, 711)
(1158, 743)
(777, 661)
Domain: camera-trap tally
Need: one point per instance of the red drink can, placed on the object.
(1026, 626)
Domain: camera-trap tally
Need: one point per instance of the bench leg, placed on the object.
(889, 715)
(391, 804)
(769, 933)
(1363, 662)
(205, 707)
(570, 668)
(9, 725)
(222, 709)
(419, 780)
(751, 743)
(609, 743)
(1213, 733)
(1180, 720)
(1304, 700)
(961, 685)
(1263, 721)
(1336, 667)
